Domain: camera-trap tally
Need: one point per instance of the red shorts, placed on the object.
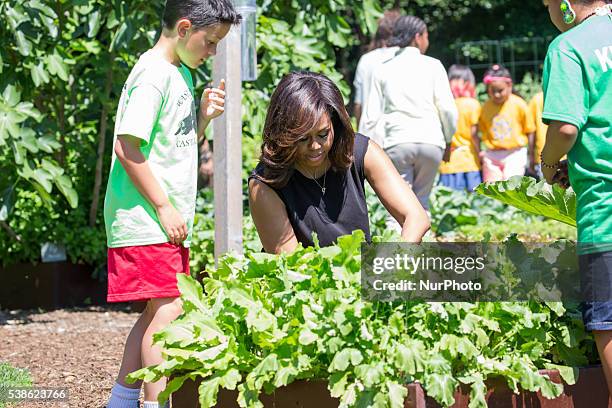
(145, 272)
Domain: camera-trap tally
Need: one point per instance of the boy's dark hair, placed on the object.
(498, 71)
(201, 13)
(385, 29)
(297, 105)
(405, 30)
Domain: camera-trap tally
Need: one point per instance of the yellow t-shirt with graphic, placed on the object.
(536, 105)
(464, 157)
(506, 126)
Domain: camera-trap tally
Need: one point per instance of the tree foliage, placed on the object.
(63, 64)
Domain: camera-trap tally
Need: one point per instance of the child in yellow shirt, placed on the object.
(462, 171)
(507, 129)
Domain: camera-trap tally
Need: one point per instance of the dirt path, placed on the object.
(79, 349)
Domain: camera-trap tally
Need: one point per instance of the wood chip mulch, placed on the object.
(79, 349)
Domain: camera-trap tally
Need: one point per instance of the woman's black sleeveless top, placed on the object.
(340, 211)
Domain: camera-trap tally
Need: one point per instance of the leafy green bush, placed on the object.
(376, 212)
(529, 86)
(451, 209)
(527, 230)
(519, 206)
(456, 215)
(266, 320)
(35, 223)
(202, 250)
(63, 64)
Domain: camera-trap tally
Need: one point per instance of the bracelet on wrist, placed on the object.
(546, 165)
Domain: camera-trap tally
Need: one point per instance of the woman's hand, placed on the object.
(173, 223)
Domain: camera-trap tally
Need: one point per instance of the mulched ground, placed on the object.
(79, 349)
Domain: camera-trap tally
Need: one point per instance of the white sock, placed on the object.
(123, 397)
(155, 404)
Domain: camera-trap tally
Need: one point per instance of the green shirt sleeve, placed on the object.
(141, 112)
(566, 95)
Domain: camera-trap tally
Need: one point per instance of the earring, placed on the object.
(569, 15)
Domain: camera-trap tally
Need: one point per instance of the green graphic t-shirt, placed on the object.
(578, 90)
(156, 106)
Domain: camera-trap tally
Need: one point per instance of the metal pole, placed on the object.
(227, 135)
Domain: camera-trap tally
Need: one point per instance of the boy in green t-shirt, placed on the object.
(578, 109)
(150, 199)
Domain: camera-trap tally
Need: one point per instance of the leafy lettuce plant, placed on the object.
(261, 322)
(451, 209)
(537, 198)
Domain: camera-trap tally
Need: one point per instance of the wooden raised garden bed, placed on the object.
(49, 286)
(590, 391)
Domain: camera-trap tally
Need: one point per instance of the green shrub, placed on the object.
(529, 230)
(202, 250)
(451, 209)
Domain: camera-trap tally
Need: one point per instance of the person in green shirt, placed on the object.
(577, 86)
(150, 199)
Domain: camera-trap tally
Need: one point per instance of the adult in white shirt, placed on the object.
(411, 95)
(378, 53)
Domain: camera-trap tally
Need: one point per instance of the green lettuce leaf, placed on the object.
(538, 198)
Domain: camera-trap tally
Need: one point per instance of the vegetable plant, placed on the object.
(262, 321)
(537, 198)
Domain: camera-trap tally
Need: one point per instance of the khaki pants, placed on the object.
(418, 164)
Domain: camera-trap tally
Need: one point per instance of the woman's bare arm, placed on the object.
(395, 194)
(270, 217)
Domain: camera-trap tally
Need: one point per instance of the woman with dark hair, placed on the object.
(577, 84)
(378, 52)
(412, 96)
(311, 174)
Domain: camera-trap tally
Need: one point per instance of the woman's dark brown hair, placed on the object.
(298, 104)
(385, 29)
